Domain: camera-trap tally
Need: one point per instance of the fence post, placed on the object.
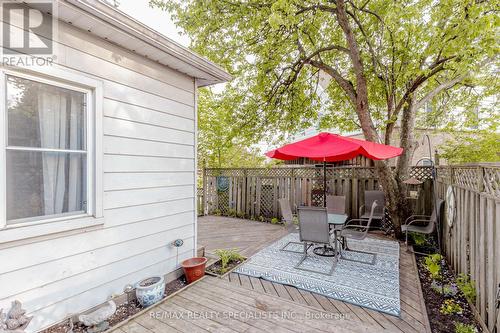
(204, 200)
(480, 179)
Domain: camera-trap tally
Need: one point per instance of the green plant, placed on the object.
(217, 212)
(226, 256)
(447, 289)
(240, 215)
(450, 307)
(467, 286)
(275, 220)
(418, 239)
(465, 328)
(231, 212)
(262, 218)
(433, 265)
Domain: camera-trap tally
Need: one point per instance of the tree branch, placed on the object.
(346, 85)
(445, 85)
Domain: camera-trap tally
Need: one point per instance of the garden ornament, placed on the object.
(15, 321)
(96, 321)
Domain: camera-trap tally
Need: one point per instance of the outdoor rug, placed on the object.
(371, 286)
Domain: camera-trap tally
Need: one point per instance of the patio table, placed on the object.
(336, 222)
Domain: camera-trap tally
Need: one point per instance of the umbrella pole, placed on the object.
(324, 183)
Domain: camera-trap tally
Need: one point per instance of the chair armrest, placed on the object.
(357, 220)
(413, 217)
(354, 226)
(413, 221)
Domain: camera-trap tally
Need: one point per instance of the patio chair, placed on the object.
(353, 231)
(335, 204)
(429, 222)
(365, 210)
(313, 229)
(287, 218)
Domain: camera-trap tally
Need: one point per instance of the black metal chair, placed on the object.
(288, 221)
(335, 204)
(313, 229)
(429, 222)
(353, 231)
(379, 214)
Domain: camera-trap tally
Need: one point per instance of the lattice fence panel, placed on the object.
(267, 199)
(466, 177)
(421, 173)
(491, 178)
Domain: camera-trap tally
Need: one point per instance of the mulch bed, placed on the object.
(123, 311)
(216, 267)
(443, 323)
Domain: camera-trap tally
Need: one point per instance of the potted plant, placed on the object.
(194, 268)
(150, 290)
(228, 260)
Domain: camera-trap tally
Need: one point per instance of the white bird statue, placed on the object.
(97, 319)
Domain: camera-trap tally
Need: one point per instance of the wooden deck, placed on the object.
(219, 232)
(234, 303)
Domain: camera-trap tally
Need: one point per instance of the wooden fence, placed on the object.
(254, 193)
(472, 243)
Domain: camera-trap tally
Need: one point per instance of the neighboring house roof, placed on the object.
(106, 21)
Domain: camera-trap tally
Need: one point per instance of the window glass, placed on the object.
(46, 153)
(44, 183)
(44, 116)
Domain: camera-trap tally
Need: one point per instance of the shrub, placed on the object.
(450, 307)
(418, 239)
(226, 256)
(465, 328)
(275, 220)
(433, 265)
(467, 286)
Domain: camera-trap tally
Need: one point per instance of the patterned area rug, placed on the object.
(371, 286)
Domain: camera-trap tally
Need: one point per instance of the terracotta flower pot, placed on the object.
(194, 268)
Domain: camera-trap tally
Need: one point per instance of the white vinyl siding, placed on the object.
(148, 186)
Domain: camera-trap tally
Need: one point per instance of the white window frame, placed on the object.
(42, 226)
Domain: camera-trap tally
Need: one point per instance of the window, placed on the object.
(46, 150)
(50, 152)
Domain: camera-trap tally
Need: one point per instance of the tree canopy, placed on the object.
(275, 49)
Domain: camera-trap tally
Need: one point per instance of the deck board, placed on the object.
(242, 294)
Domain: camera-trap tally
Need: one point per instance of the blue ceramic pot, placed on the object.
(149, 291)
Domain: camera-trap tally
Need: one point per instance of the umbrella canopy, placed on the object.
(328, 147)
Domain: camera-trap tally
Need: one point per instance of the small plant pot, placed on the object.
(150, 291)
(194, 268)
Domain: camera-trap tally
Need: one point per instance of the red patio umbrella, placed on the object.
(328, 147)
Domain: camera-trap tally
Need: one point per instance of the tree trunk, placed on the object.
(394, 194)
(396, 200)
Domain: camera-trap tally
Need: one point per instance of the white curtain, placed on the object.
(75, 176)
(59, 121)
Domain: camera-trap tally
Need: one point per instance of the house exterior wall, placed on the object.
(149, 131)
